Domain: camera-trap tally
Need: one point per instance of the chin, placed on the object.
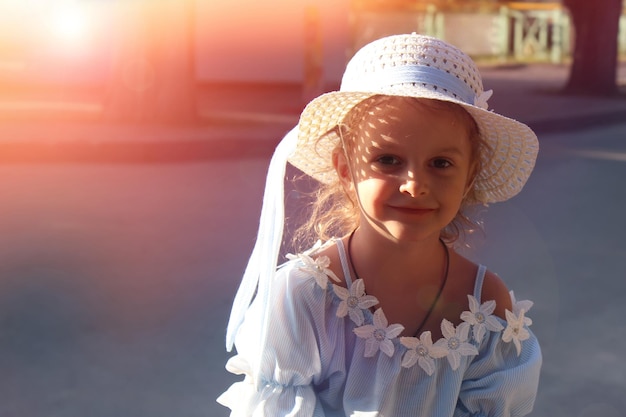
(404, 234)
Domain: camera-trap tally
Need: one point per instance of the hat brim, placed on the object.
(504, 171)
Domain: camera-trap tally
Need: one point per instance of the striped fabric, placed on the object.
(309, 362)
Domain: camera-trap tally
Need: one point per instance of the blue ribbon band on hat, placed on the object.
(404, 74)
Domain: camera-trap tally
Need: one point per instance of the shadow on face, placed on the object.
(385, 123)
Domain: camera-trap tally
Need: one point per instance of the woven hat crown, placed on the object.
(413, 60)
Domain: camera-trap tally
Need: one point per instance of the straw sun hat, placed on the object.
(424, 67)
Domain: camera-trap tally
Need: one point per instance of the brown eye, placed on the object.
(441, 163)
(388, 160)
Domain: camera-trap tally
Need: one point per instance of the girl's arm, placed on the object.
(281, 364)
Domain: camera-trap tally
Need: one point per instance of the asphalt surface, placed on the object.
(116, 275)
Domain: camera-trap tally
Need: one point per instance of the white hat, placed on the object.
(401, 65)
(422, 67)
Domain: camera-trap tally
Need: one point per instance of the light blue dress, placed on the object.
(326, 354)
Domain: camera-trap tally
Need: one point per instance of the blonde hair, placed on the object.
(334, 212)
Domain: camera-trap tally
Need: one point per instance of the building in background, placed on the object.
(305, 43)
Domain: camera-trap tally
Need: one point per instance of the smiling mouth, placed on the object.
(414, 210)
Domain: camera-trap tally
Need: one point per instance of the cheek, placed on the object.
(460, 188)
(374, 192)
(450, 190)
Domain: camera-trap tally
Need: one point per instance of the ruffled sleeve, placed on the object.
(282, 363)
(499, 382)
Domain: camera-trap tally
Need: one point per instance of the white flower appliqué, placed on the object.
(378, 335)
(421, 351)
(317, 267)
(455, 342)
(515, 331)
(481, 317)
(481, 99)
(354, 301)
(518, 306)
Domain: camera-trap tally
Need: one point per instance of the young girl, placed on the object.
(385, 318)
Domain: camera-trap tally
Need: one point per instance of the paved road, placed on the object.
(116, 280)
(115, 283)
(561, 243)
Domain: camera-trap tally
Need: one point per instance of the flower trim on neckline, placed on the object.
(354, 301)
(457, 341)
(317, 267)
(379, 336)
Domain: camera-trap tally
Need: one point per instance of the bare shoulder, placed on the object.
(495, 289)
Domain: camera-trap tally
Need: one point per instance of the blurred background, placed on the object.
(134, 141)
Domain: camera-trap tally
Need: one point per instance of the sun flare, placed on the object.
(69, 24)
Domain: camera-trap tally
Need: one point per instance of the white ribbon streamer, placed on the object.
(262, 264)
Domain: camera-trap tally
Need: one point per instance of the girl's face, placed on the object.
(410, 165)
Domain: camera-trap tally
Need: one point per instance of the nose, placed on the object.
(413, 186)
